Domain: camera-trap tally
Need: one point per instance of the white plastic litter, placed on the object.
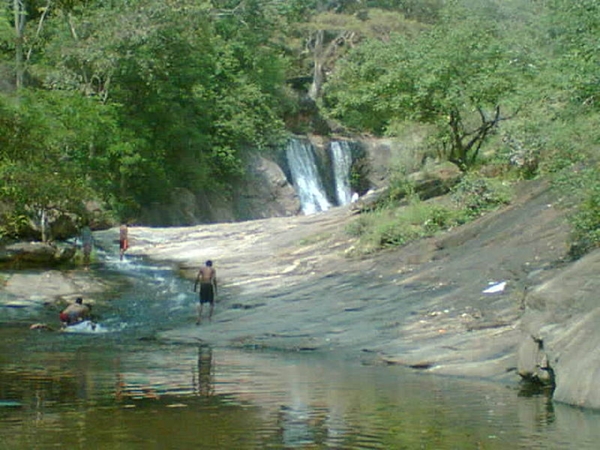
(495, 288)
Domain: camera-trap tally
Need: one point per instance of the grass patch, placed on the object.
(314, 239)
(390, 225)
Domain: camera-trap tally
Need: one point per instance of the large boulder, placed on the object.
(23, 292)
(561, 342)
(58, 225)
(436, 181)
(182, 209)
(262, 192)
(386, 155)
(35, 254)
(265, 192)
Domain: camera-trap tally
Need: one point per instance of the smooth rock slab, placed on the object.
(562, 336)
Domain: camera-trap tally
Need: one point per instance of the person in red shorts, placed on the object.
(123, 240)
(74, 313)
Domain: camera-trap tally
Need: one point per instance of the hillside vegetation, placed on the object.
(121, 102)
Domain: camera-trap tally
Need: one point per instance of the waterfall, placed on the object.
(341, 159)
(305, 177)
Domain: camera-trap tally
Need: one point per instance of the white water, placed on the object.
(341, 158)
(305, 177)
(86, 327)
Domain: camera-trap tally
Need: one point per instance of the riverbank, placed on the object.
(287, 284)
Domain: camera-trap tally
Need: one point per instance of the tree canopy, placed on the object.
(123, 101)
(140, 97)
(457, 75)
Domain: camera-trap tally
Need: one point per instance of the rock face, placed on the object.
(286, 283)
(183, 209)
(265, 192)
(266, 188)
(561, 342)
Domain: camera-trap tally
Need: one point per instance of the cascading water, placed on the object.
(341, 158)
(305, 177)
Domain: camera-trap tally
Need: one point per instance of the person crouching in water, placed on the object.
(207, 277)
(75, 313)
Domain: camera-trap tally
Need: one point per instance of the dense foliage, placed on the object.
(123, 101)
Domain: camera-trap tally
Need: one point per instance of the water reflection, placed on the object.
(141, 396)
(204, 377)
(116, 391)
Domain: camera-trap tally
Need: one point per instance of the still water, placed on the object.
(122, 389)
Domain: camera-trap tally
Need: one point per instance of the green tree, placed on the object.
(194, 85)
(325, 30)
(454, 76)
(52, 153)
(574, 28)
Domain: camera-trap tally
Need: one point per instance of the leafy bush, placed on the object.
(400, 187)
(570, 141)
(359, 175)
(572, 162)
(391, 225)
(582, 188)
(476, 195)
(586, 225)
(11, 225)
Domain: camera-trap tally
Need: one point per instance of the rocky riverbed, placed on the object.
(288, 284)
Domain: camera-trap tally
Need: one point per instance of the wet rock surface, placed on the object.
(287, 283)
(33, 288)
(561, 334)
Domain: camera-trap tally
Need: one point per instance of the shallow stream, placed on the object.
(123, 389)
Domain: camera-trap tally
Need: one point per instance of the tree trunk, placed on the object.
(19, 17)
(317, 83)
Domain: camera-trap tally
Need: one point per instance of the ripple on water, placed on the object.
(115, 391)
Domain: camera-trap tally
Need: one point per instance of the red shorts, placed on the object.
(123, 244)
(63, 317)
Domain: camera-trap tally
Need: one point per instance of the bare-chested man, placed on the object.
(75, 312)
(207, 277)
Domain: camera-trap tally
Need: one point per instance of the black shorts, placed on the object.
(207, 293)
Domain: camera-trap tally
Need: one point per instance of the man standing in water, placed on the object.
(123, 240)
(207, 277)
(87, 241)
